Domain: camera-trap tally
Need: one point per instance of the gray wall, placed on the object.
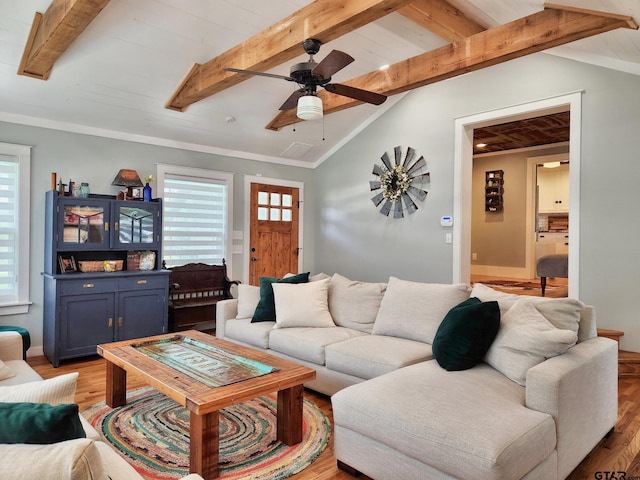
(97, 160)
(356, 240)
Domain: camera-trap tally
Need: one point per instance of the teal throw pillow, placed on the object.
(39, 423)
(266, 308)
(466, 333)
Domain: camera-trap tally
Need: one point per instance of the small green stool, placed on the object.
(26, 338)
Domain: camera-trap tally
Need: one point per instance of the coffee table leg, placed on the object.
(116, 393)
(204, 443)
(290, 404)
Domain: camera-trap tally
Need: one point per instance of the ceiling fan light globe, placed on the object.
(309, 107)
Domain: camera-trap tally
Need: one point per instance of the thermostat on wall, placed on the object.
(446, 221)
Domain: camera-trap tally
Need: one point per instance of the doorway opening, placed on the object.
(463, 183)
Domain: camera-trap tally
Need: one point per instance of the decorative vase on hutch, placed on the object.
(147, 193)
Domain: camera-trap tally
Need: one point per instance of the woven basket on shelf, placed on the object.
(101, 265)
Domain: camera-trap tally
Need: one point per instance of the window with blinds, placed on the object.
(14, 228)
(196, 217)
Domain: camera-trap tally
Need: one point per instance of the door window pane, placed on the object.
(275, 199)
(286, 215)
(263, 198)
(83, 224)
(263, 213)
(275, 215)
(286, 200)
(136, 225)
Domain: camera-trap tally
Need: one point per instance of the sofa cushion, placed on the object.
(525, 339)
(467, 424)
(302, 305)
(370, 356)
(308, 343)
(355, 304)
(466, 333)
(564, 313)
(70, 460)
(414, 310)
(24, 373)
(243, 330)
(39, 423)
(5, 371)
(248, 298)
(266, 308)
(54, 391)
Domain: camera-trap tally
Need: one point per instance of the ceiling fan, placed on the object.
(310, 75)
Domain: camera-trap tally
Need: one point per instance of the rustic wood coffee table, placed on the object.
(205, 374)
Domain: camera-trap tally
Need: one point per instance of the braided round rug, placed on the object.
(152, 433)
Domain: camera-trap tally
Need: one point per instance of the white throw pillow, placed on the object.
(318, 276)
(525, 339)
(6, 372)
(248, 298)
(563, 313)
(54, 391)
(355, 304)
(302, 304)
(415, 310)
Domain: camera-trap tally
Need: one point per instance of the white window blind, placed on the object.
(14, 228)
(195, 219)
(8, 228)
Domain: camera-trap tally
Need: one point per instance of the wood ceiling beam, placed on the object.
(324, 20)
(556, 25)
(441, 18)
(53, 32)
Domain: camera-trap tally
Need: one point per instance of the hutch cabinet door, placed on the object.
(85, 321)
(136, 225)
(83, 224)
(141, 313)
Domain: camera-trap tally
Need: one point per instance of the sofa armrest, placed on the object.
(10, 346)
(580, 390)
(225, 310)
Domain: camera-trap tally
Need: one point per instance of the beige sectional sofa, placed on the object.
(535, 404)
(76, 459)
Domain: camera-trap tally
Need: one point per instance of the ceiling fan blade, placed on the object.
(292, 102)
(332, 63)
(356, 93)
(262, 74)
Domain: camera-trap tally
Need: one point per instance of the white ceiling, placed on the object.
(118, 75)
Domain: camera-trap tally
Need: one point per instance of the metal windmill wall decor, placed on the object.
(399, 182)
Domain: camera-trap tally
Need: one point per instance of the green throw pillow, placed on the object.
(39, 423)
(466, 333)
(266, 308)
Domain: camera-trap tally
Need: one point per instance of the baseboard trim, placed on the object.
(498, 271)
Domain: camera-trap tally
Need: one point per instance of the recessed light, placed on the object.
(384, 67)
(481, 145)
(551, 164)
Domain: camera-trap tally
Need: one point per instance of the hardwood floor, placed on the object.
(620, 452)
(556, 287)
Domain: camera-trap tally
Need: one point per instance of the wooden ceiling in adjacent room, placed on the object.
(532, 132)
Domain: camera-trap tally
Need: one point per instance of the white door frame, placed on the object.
(248, 180)
(463, 165)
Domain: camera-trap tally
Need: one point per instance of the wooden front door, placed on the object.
(273, 250)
